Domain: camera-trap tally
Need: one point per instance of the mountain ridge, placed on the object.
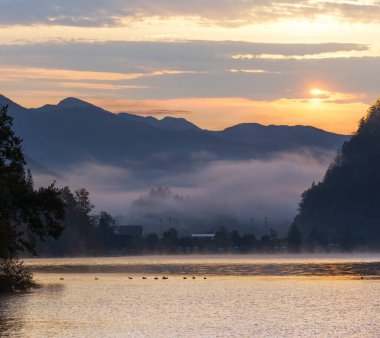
(72, 102)
(75, 131)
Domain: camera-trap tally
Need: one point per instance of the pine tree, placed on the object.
(294, 239)
(26, 214)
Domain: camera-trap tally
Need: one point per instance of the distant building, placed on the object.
(203, 235)
(130, 230)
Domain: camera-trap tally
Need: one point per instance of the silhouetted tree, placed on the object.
(347, 200)
(152, 242)
(264, 243)
(83, 204)
(273, 239)
(236, 238)
(170, 239)
(315, 239)
(106, 227)
(79, 235)
(346, 241)
(222, 239)
(294, 239)
(248, 243)
(26, 214)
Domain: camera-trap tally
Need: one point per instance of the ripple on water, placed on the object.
(216, 265)
(115, 306)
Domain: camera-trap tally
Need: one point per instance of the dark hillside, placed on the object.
(345, 207)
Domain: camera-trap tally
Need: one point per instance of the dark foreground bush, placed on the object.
(14, 276)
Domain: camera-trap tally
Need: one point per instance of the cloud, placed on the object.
(67, 74)
(167, 70)
(216, 12)
(222, 191)
(203, 77)
(99, 86)
(358, 52)
(163, 112)
(133, 57)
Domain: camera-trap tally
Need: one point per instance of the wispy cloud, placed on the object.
(215, 12)
(221, 83)
(161, 112)
(157, 70)
(361, 51)
(254, 71)
(14, 73)
(99, 86)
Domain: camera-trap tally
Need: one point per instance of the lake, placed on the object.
(230, 296)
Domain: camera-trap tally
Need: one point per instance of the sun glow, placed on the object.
(317, 92)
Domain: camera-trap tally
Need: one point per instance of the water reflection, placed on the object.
(115, 306)
(11, 314)
(14, 309)
(217, 266)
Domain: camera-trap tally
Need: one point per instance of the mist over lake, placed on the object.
(201, 197)
(256, 296)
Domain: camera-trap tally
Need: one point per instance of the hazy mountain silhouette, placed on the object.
(169, 123)
(281, 137)
(14, 107)
(76, 131)
(344, 207)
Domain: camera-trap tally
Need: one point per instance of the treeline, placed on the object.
(87, 234)
(223, 241)
(83, 232)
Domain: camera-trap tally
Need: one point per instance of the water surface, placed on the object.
(266, 296)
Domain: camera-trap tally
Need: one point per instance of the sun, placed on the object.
(319, 95)
(317, 92)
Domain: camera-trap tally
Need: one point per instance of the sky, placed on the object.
(215, 63)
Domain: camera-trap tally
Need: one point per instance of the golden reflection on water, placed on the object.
(230, 265)
(337, 303)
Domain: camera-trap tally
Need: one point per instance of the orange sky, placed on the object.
(213, 63)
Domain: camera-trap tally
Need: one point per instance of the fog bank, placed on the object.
(220, 193)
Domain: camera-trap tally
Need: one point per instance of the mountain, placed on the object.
(13, 107)
(168, 123)
(75, 131)
(344, 208)
(277, 137)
